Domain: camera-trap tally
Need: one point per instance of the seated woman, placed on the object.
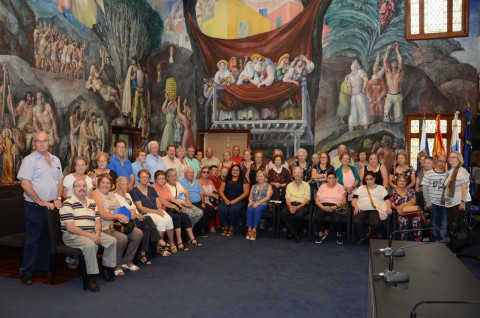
(233, 191)
(143, 222)
(362, 201)
(140, 156)
(381, 175)
(127, 244)
(400, 168)
(102, 159)
(347, 175)
(402, 197)
(257, 204)
(330, 197)
(175, 209)
(80, 166)
(278, 177)
(147, 202)
(210, 195)
(302, 156)
(321, 170)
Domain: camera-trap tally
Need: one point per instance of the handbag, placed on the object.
(461, 235)
(342, 210)
(213, 201)
(381, 206)
(412, 211)
(125, 228)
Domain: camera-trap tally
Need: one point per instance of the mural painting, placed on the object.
(312, 74)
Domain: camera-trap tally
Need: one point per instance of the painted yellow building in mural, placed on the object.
(234, 19)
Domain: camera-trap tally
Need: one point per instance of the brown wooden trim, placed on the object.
(201, 132)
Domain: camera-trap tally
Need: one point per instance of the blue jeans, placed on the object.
(439, 219)
(36, 251)
(224, 211)
(254, 215)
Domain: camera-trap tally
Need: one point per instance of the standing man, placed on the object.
(191, 160)
(197, 199)
(297, 196)
(154, 161)
(42, 181)
(209, 159)
(335, 161)
(171, 162)
(394, 75)
(81, 228)
(433, 185)
(236, 155)
(121, 165)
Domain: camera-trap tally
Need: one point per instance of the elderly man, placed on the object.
(171, 162)
(297, 197)
(335, 161)
(81, 228)
(236, 155)
(197, 199)
(191, 160)
(121, 165)
(42, 181)
(154, 161)
(209, 159)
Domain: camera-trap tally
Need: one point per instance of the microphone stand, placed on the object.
(413, 313)
(387, 251)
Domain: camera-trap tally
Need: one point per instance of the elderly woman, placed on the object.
(148, 203)
(401, 167)
(140, 156)
(257, 165)
(363, 208)
(347, 175)
(210, 195)
(199, 157)
(257, 204)
(381, 175)
(297, 197)
(362, 161)
(80, 166)
(401, 197)
(227, 160)
(278, 177)
(278, 152)
(127, 244)
(330, 197)
(302, 163)
(175, 209)
(233, 191)
(320, 170)
(102, 159)
(456, 195)
(143, 222)
(247, 161)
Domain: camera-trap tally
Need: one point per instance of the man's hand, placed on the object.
(57, 204)
(48, 205)
(95, 237)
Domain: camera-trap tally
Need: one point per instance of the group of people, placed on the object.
(169, 201)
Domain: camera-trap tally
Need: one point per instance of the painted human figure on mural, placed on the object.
(79, 56)
(268, 73)
(42, 47)
(85, 136)
(74, 122)
(376, 92)
(385, 152)
(378, 68)
(223, 74)
(36, 41)
(55, 40)
(100, 133)
(169, 108)
(385, 11)
(68, 66)
(248, 75)
(8, 152)
(394, 74)
(44, 120)
(63, 57)
(93, 143)
(299, 67)
(186, 118)
(233, 68)
(144, 125)
(344, 100)
(5, 93)
(282, 67)
(356, 83)
(207, 87)
(127, 89)
(177, 136)
(140, 86)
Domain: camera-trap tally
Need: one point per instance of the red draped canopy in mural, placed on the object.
(249, 93)
(294, 38)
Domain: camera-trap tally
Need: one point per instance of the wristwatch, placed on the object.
(59, 198)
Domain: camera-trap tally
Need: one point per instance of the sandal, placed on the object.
(249, 234)
(182, 247)
(144, 259)
(194, 243)
(253, 237)
(173, 249)
(163, 253)
(229, 232)
(224, 231)
(132, 267)
(212, 229)
(119, 273)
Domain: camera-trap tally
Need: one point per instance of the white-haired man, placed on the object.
(154, 161)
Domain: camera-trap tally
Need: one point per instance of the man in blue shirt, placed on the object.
(198, 200)
(192, 161)
(42, 181)
(154, 161)
(121, 165)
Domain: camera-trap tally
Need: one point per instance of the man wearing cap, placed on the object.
(282, 67)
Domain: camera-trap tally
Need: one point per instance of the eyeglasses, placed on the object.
(143, 177)
(204, 172)
(102, 161)
(369, 179)
(235, 170)
(43, 141)
(80, 186)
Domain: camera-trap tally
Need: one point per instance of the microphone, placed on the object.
(388, 250)
(413, 313)
(391, 276)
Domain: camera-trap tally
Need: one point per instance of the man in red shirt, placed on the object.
(236, 155)
(214, 177)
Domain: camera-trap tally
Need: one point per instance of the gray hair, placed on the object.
(149, 145)
(170, 172)
(302, 150)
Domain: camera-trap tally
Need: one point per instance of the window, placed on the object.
(413, 132)
(242, 29)
(435, 19)
(263, 12)
(278, 22)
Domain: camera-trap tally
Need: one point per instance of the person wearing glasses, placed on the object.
(140, 156)
(80, 165)
(256, 166)
(42, 182)
(102, 159)
(432, 186)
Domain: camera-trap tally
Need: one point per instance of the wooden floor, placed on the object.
(9, 268)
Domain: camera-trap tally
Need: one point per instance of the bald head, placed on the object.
(189, 173)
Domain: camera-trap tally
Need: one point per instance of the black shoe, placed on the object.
(27, 279)
(297, 238)
(108, 275)
(203, 233)
(289, 236)
(92, 285)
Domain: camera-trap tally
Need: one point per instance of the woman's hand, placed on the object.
(250, 203)
(161, 212)
(356, 210)
(122, 218)
(139, 216)
(255, 205)
(461, 207)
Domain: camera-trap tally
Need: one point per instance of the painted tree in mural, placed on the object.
(357, 31)
(127, 28)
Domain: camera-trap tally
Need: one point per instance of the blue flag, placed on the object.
(467, 148)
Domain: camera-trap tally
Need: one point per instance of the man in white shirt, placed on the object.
(154, 161)
(170, 161)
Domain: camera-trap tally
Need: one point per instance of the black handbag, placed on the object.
(461, 235)
(343, 210)
(125, 228)
(213, 201)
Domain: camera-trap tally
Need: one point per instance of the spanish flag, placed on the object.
(438, 147)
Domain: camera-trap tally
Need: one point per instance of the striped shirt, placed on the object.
(73, 210)
(433, 182)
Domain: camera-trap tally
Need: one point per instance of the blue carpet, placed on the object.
(226, 277)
